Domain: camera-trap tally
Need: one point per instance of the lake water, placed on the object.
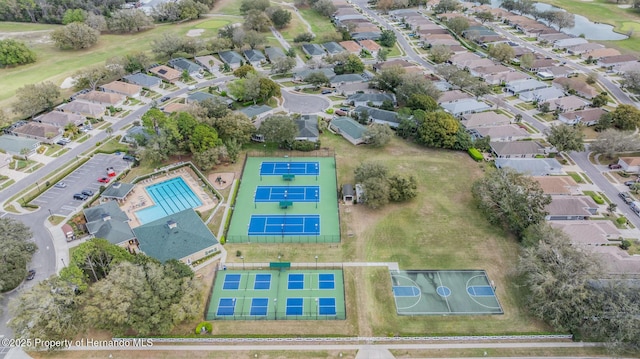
(583, 26)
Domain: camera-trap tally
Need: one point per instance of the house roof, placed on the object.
(371, 97)
(136, 131)
(200, 96)
(143, 80)
(588, 232)
(347, 190)
(313, 49)
(166, 72)
(184, 65)
(603, 52)
(453, 95)
(378, 114)
(207, 61)
(351, 46)
(327, 71)
(526, 85)
(349, 126)
(557, 184)
(577, 84)
(570, 206)
(398, 62)
(254, 55)
(333, 47)
(531, 166)
(366, 35)
(108, 221)
(504, 131)
(308, 126)
(570, 42)
(631, 161)
(230, 57)
(255, 110)
(102, 97)
(15, 144)
(370, 45)
(507, 77)
(586, 115)
(617, 59)
(61, 119)
(82, 107)
(516, 148)
(36, 129)
(542, 95)
(344, 78)
(274, 53)
(481, 119)
(567, 103)
(122, 88)
(465, 105)
(585, 47)
(175, 107)
(117, 190)
(190, 235)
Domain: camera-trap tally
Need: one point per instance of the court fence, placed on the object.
(294, 266)
(280, 316)
(323, 152)
(323, 238)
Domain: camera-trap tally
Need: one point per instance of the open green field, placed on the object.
(319, 24)
(295, 27)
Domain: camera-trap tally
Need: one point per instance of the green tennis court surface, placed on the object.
(277, 295)
(271, 209)
(444, 292)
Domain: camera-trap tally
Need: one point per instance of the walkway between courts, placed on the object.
(391, 265)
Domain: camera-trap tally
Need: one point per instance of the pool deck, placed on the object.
(139, 198)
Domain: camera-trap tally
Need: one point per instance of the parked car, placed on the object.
(61, 143)
(326, 92)
(630, 183)
(31, 274)
(191, 87)
(60, 185)
(614, 166)
(626, 197)
(104, 179)
(129, 158)
(80, 196)
(166, 98)
(87, 192)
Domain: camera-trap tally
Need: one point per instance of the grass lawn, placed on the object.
(319, 24)
(395, 51)
(295, 27)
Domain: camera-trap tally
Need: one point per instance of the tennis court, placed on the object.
(285, 225)
(289, 167)
(444, 292)
(277, 295)
(287, 193)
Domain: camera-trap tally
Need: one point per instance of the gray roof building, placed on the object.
(143, 80)
(379, 116)
(362, 99)
(516, 149)
(348, 128)
(346, 78)
(532, 166)
(333, 47)
(525, 85)
(274, 53)
(303, 74)
(177, 236)
(255, 110)
(541, 95)
(61, 119)
(230, 57)
(254, 56)
(135, 132)
(308, 128)
(571, 208)
(313, 50)
(108, 221)
(367, 35)
(465, 106)
(83, 108)
(185, 65)
(118, 191)
(15, 145)
(200, 96)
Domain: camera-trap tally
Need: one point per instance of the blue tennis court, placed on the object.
(327, 306)
(295, 306)
(295, 281)
(286, 225)
(259, 306)
(481, 291)
(326, 281)
(294, 168)
(226, 306)
(231, 282)
(406, 291)
(287, 193)
(262, 282)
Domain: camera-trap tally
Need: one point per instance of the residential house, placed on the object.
(588, 117)
(531, 166)
(599, 53)
(231, 58)
(38, 131)
(348, 128)
(551, 37)
(333, 48)
(166, 73)
(82, 108)
(182, 236)
(351, 47)
(370, 99)
(117, 191)
(61, 119)
(564, 208)
(181, 64)
(400, 14)
(565, 43)
(552, 72)
(484, 119)
(135, 133)
(254, 57)
(274, 53)
(614, 62)
(484, 71)
(199, 96)
(370, 46)
(439, 39)
(256, 112)
(538, 65)
(343, 79)
(500, 133)
(15, 145)
(631, 66)
(409, 67)
(568, 103)
(175, 107)
(516, 149)
(373, 33)
(143, 80)
(558, 185)
(307, 128)
(109, 222)
(541, 95)
(122, 88)
(630, 164)
(103, 98)
(377, 115)
(516, 87)
(465, 106)
(303, 74)
(588, 233)
(314, 51)
(505, 77)
(583, 48)
(452, 96)
(581, 87)
(208, 62)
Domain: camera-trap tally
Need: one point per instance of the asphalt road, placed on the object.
(304, 103)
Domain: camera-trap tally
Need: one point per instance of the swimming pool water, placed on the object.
(170, 196)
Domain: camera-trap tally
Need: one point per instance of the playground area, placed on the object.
(447, 292)
(286, 200)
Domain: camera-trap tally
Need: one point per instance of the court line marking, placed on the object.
(473, 299)
(445, 298)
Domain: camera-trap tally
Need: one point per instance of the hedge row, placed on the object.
(475, 154)
(597, 199)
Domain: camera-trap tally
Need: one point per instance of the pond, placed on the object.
(583, 26)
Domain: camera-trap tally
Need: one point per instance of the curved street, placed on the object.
(303, 103)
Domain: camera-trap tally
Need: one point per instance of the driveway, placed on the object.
(304, 104)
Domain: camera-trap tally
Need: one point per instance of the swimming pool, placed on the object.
(170, 196)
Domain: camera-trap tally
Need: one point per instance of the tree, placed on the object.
(352, 64)
(317, 78)
(191, 10)
(129, 20)
(458, 25)
(209, 158)
(446, 6)
(254, 39)
(324, 7)
(415, 85)
(423, 102)
(510, 199)
(131, 63)
(601, 100)
(624, 117)
(611, 141)
(16, 250)
(502, 52)
(92, 77)
(96, 258)
(376, 192)
(279, 129)
(437, 129)
(378, 135)
(256, 20)
(248, 5)
(485, 16)
(96, 22)
(283, 65)
(563, 19)
(592, 77)
(631, 80)
(526, 60)
(382, 55)
(387, 38)
(440, 53)
(74, 15)
(389, 78)
(35, 98)
(402, 187)
(13, 53)
(75, 36)
(304, 37)
(243, 71)
(167, 45)
(566, 138)
(166, 12)
(280, 18)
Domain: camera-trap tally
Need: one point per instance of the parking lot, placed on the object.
(60, 201)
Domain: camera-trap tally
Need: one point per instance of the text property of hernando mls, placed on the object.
(84, 342)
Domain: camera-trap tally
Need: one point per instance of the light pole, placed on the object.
(316, 262)
(37, 184)
(255, 205)
(316, 199)
(63, 264)
(316, 172)
(316, 300)
(317, 234)
(242, 257)
(50, 213)
(282, 227)
(275, 307)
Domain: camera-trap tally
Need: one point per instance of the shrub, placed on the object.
(597, 199)
(621, 220)
(475, 154)
(329, 111)
(625, 244)
(304, 146)
(223, 240)
(206, 325)
(238, 253)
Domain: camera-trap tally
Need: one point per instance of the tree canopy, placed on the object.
(16, 250)
(35, 98)
(380, 188)
(75, 36)
(566, 138)
(13, 53)
(279, 129)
